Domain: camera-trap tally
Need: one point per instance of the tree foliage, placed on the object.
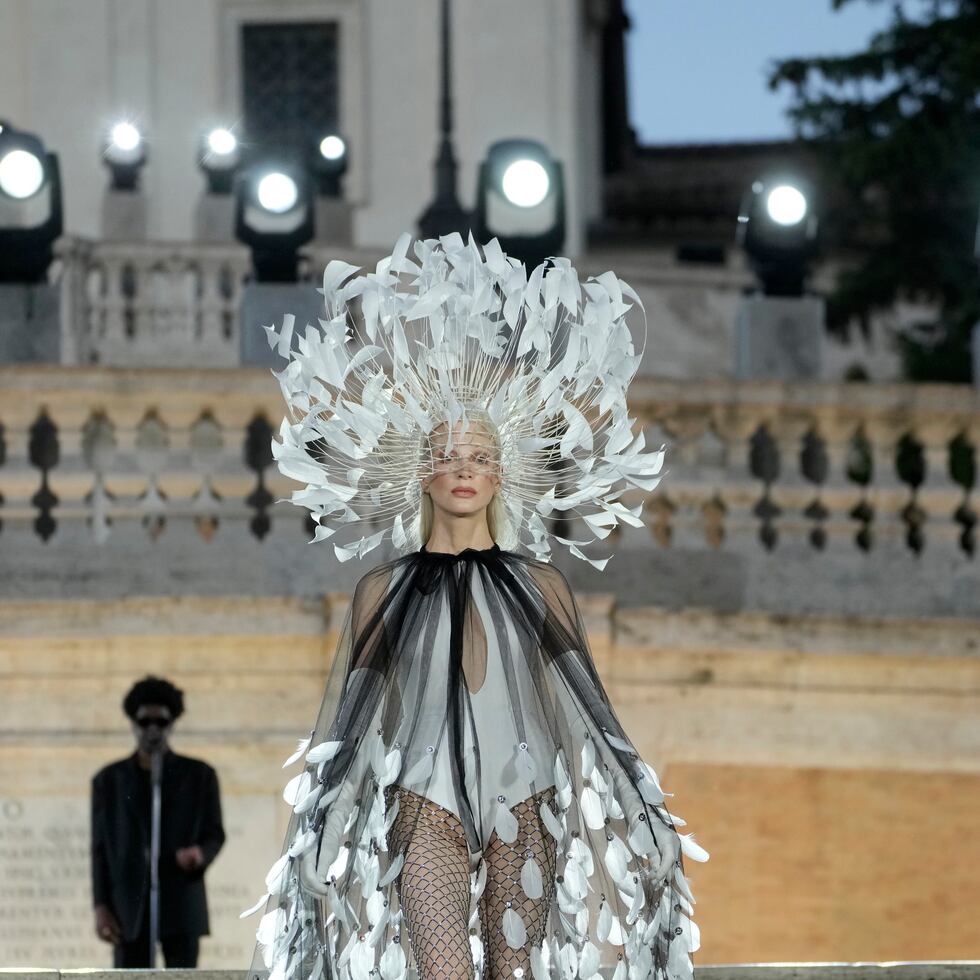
(897, 128)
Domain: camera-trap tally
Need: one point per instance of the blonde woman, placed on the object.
(469, 805)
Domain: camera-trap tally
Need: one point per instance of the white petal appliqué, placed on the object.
(514, 930)
(588, 961)
(575, 880)
(641, 838)
(259, 904)
(421, 771)
(617, 858)
(525, 764)
(323, 752)
(505, 824)
(394, 869)
(393, 963)
(531, 879)
(297, 788)
(300, 749)
(591, 805)
(579, 851)
(551, 822)
(539, 966)
(692, 849)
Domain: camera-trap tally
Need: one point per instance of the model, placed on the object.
(469, 805)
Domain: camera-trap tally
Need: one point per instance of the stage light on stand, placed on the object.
(274, 217)
(777, 228)
(220, 157)
(330, 165)
(125, 155)
(525, 183)
(779, 327)
(786, 205)
(521, 200)
(30, 207)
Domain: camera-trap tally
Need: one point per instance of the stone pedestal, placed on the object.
(30, 324)
(123, 216)
(265, 304)
(214, 218)
(333, 221)
(779, 338)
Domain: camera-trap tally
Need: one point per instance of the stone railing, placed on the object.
(142, 303)
(757, 465)
(824, 465)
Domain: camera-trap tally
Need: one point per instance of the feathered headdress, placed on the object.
(457, 335)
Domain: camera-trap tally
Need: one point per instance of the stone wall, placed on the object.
(830, 765)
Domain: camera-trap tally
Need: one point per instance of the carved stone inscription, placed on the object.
(45, 891)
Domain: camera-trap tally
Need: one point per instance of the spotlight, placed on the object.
(220, 157)
(521, 200)
(778, 230)
(330, 164)
(274, 217)
(30, 207)
(125, 154)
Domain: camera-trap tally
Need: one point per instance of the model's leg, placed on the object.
(433, 887)
(504, 889)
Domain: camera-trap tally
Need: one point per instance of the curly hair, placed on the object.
(154, 690)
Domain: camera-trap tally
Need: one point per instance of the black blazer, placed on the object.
(191, 814)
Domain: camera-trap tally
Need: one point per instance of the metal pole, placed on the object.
(156, 772)
(445, 214)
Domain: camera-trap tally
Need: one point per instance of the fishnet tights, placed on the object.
(434, 888)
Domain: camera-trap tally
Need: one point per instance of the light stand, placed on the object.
(156, 773)
(445, 214)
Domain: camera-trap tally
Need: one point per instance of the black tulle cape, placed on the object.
(468, 680)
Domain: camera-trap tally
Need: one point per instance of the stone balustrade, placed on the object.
(818, 465)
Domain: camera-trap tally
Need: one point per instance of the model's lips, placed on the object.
(464, 492)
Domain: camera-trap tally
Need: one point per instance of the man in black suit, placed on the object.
(190, 837)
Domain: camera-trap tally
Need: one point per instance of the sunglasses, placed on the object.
(154, 722)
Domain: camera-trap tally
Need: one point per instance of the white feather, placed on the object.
(575, 880)
(531, 880)
(323, 752)
(362, 960)
(259, 904)
(515, 931)
(568, 961)
(641, 838)
(525, 765)
(588, 758)
(297, 788)
(505, 824)
(421, 770)
(590, 804)
(617, 858)
(539, 965)
(579, 851)
(300, 749)
(692, 848)
(394, 869)
(551, 822)
(393, 963)
(588, 961)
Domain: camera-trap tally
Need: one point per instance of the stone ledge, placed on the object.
(914, 970)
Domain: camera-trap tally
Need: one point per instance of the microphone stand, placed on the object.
(156, 773)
